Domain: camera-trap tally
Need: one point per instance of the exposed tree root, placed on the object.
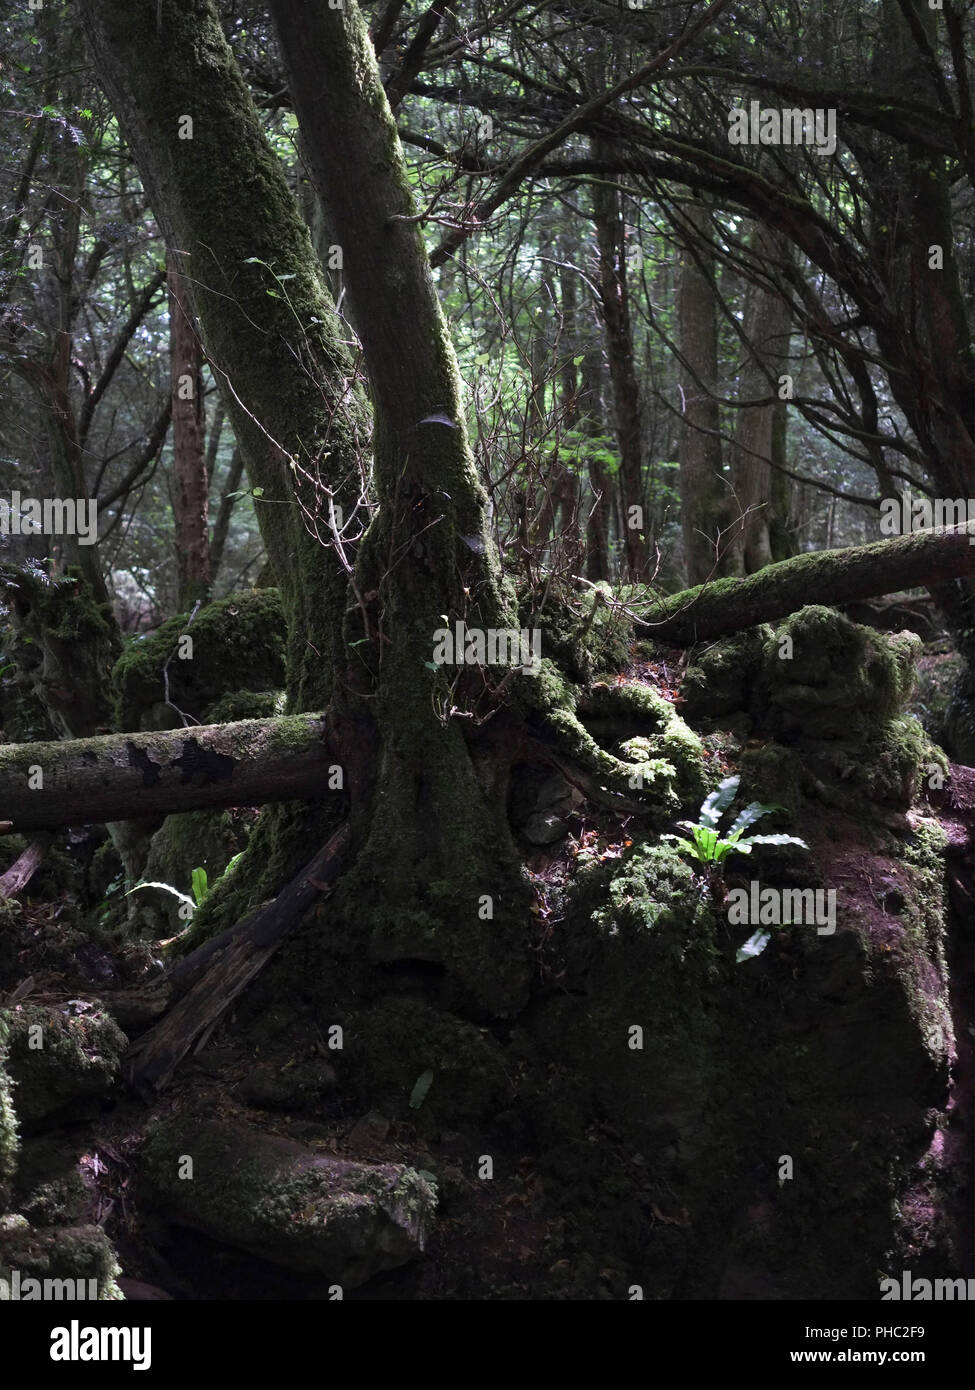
(232, 961)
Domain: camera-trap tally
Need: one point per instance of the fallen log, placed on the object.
(117, 776)
(23, 869)
(830, 577)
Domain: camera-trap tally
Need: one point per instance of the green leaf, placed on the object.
(199, 884)
(257, 492)
(167, 888)
(770, 840)
(706, 840)
(682, 844)
(419, 1093)
(718, 802)
(754, 946)
(753, 812)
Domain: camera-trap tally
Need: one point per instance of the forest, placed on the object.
(487, 651)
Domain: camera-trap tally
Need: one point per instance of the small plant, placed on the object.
(708, 846)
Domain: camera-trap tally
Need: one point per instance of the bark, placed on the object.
(190, 498)
(24, 868)
(825, 576)
(429, 559)
(766, 330)
(274, 344)
(707, 505)
(614, 298)
(85, 781)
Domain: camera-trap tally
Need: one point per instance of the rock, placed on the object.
(371, 1129)
(62, 1061)
(287, 1088)
(553, 789)
(545, 827)
(65, 1252)
(284, 1203)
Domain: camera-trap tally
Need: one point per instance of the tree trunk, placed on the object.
(825, 576)
(84, 781)
(433, 833)
(615, 305)
(766, 346)
(191, 492)
(274, 344)
(707, 504)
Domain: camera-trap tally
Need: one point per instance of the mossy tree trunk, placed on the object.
(268, 324)
(361, 641)
(191, 487)
(708, 509)
(428, 561)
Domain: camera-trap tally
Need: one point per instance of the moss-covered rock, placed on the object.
(657, 734)
(78, 1253)
(721, 679)
(285, 1203)
(824, 677)
(62, 1060)
(238, 643)
(245, 704)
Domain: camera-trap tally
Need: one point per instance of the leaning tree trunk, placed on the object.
(267, 321)
(436, 836)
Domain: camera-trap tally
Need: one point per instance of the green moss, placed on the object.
(60, 1201)
(8, 1117)
(825, 677)
(662, 733)
(191, 840)
(62, 1062)
(721, 679)
(245, 704)
(344, 1219)
(582, 635)
(72, 1252)
(237, 644)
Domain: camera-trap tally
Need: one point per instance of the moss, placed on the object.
(391, 1043)
(582, 636)
(62, 1062)
(245, 704)
(721, 679)
(662, 733)
(184, 842)
(8, 1117)
(238, 643)
(72, 1252)
(825, 677)
(60, 1201)
(282, 1202)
